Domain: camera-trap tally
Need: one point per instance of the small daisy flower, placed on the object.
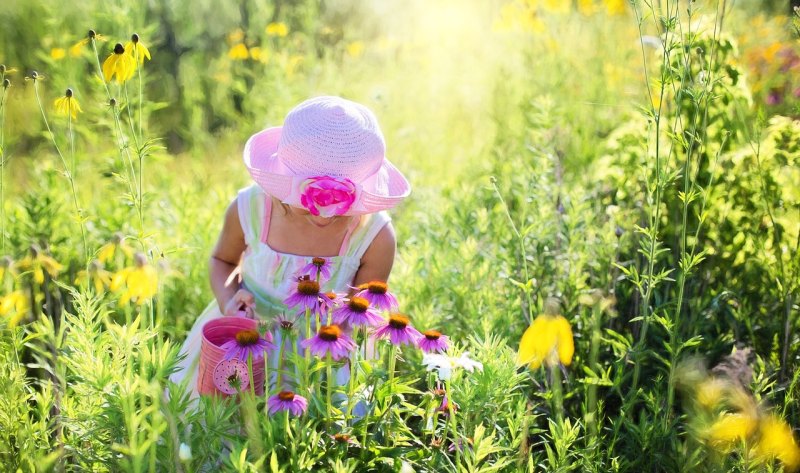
(378, 295)
(446, 364)
(68, 105)
(308, 296)
(248, 343)
(433, 341)
(329, 339)
(137, 49)
(398, 330)
(287, 401)
(357, 312)
(317, 265)
(119, 64)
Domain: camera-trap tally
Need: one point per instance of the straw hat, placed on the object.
(329, 157)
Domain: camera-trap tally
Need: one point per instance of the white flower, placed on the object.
(445, 364)
(185, 452)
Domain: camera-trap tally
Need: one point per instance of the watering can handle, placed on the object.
(245, 311)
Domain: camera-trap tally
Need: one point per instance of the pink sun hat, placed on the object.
(329, 157)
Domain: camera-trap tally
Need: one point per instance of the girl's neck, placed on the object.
(293, 233)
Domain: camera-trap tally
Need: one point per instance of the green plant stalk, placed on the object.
(591, 396)
(2, 165)
(351, 388)
(307, 353)
(139, 197)
(523, 252)
(329, 386)
(67, 173)
(250, 373)
(278, 383)
(453, 423)
(392, 362)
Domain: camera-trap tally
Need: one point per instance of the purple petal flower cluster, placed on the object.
(378, 295)
(329, 339)
(287, 401)
(357, 312)
(248, 343)
(398, 330)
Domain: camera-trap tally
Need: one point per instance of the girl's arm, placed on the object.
(376, 264)
(224, 259)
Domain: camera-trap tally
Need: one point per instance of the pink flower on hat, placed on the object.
(327, 196)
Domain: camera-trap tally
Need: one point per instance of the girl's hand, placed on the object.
(242, 300)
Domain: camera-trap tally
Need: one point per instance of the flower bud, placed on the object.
(34, 75)
(6, 83)
(68, 93)
(2, 68)
(134, 38)
(112, 102)
(119, 48)
(91, 34)
(185, 452)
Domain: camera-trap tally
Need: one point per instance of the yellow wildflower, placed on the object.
(239, 52)
(236, 36)
(119, 64)
(137, 49)
(6, 70)
(587, 7)
(616, 7)
(109, 250)
(548, 340)
(15, 306)
(293, 64)
(776, 441)
(355, 49)
(731, 429)
(96, 274)
(140, 281)
(58, 53)
(6, 267)
(76, 49)
(257, 54)
(68, 105)
(557, 6)
(37, 263)
(278, 29)
(709, 392)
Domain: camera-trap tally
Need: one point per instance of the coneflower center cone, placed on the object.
(377, 287)
(432, 334)
(329, 333)
(318, 261)
(398, 321)
(119, 49)
(286, 396)
(307, 287)
(358, 304)
(247, 337)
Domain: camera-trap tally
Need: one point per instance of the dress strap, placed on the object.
(346, 241)
(267, 217)
(249, 203)
(371, 225)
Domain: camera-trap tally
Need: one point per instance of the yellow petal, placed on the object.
(109, 66)
(537, 342)
(566, 345)
(777, 441)
(106, 252)
(731, 429)
(38, 275)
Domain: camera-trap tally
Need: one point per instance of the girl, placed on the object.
(322, 185)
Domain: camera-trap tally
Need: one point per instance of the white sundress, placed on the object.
(268, 274)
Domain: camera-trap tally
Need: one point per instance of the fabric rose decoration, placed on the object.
(327, 196)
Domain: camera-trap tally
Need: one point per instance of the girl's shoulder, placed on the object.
(250, 202)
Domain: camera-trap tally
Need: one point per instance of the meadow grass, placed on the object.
(624, 162)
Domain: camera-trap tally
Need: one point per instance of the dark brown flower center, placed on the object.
(307, 287)
(331, 295)
(286, 396)
(318, 262)
(377, 287)
(432, 334)
(119, 48)
(341, 438)
(439, 392)
(358, 304)
(287, 324)
(246, 337)
(398, 321)
(68, 93)
(135, 38)
(330, 333)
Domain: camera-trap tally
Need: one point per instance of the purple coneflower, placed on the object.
(399, 330)
(287, 401)
(248, 342)
(307, 296)
(357, 312)
(378, 295)
(444, 408)
(344, 439)
(321, 266)
(432, 341)
(329, 339)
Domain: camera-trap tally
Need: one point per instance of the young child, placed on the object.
(323, 184)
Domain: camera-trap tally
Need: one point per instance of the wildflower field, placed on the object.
(598, 268)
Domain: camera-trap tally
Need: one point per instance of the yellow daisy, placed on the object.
(547, 341)
(96, 275)
(57, 53)
(14, 306)
(119, 64)
(76, 49)
(137, 49)
(777, 441)
(239, 52)
(109, 250)
(68, 105)
(278, 29)
(37, 263)
(140, 282)
(355, 49)
(731, 429)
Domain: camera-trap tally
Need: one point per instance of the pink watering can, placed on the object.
(220, 377)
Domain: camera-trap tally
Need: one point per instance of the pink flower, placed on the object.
(248, 343)
(317, 266)
(327, 196)
(329, 339)
(433, 341)
(307, 295)
(357, 312)
(287, 401)
(398, 330)
(378, 295)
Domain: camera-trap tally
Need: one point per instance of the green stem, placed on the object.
(351, 389)
(307, 353)
(453, 423)
(2, 164)
(250, 373)
(392, 362)
(278, 384)
(329, 386)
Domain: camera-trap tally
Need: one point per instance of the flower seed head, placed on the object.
(140, 259)
(95, 266)
(378, 287)
(618, 231)
(6, 83)
(119, 48)
(247, 337)
(432, 334)
(68, 93)
(316, 261)
(358, 304)
(117, 237)
(112, 102)
(91, 34)
(6, 262)
(135, 38)
(34, 75)
(2, 68)
(286, 396)
(308, 287)
(330, 333)
(398, 321)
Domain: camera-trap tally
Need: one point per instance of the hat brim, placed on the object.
(384, 189)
